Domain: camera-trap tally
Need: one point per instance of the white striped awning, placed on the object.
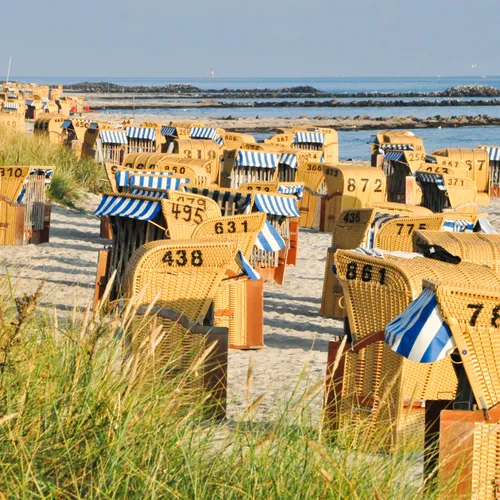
(220, 141)
(296, 189)
(269, 239)
(458, 226)
(242, 201)
(203, 133)
(424, 177)
(400, 147)
(246, 267)
(393, 156)
(148, 134)
(123, 176)
(11, 96)
(379, 220)
(10, 105)
(309, 138)
(30, 103)
(419, 333)
(493, 152)
(288, 159)
(119, 206)
(113, 137)
(276, 205)
(148, 192)
(257, 159)
(168, 131)
(157, 182)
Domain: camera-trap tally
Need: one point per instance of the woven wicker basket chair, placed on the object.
(376, 291)
(182, 218)
(296, 188)
(397, 165)
(230, 201)
(311, 174)
(400, 208)
(494, 166)
(238, 303)
(181, 276)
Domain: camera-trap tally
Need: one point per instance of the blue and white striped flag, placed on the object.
(269, 239)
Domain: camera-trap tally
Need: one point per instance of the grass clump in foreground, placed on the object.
(72, 174)
(80, 419)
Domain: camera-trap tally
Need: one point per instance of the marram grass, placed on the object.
(72, 174)
(82, 417)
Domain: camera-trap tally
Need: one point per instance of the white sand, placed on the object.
(295, 335)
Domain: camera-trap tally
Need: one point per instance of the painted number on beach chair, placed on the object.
(181, 258)
(352, 217)
(477, 308)
(410, 227)
(455, 182)
(189, 213)
(175, 169)
(366, 274)
(437, 170)
(230, 227)
(257, 188)
(314, 168)
(11, 172)
(415, 156)
(187, 199)
(332, 172)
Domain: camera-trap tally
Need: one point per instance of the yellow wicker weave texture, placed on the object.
(460, 191)
(351, 228)
(8, 213)
(331, 300)
(264, 187)
(472, 313)
(460, 170)
(12, 180)
(477, 248)
(185, 274)
(182, 218)
(400, 208)
(485, 461)
(207, 204)
(232, 295)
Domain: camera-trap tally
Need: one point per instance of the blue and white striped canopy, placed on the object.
(394, 156)
(168, 131)
(113, 137)
(203, 133)
(123, 176)
(296, 189)
(151, 194)
(430, 159)
(242, 201)
(457, 226)
(379, 220)
(120, 206)
(30, 103)
(420, 333)
(141, 133)
(493, 153)
(309, 138)
(220, 141)
(276, 205)
(10, 105)
(431, 178)
(400, 147)
(288, 159)
(269, 239)
(246, 267)
(257, 159)
(156, 182)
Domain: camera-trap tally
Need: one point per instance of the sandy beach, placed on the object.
(296, 337)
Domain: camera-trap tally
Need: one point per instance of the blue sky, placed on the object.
(261, 38)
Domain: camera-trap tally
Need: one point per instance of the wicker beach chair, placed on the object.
(182, 218)
(374, 384)
(311, 174)
(230, 201)
(494, 166)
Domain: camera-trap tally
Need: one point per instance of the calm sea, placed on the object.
(353, 144)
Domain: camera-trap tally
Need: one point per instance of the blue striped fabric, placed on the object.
(123, 176)
(156, 182)
(11, 96)
(437, 179)
(118, 206)
(30, 103)
(400, 147)
(420, 333)
(10, 105)
(168, 131)
(288, 159)
(257, 159)
(246, 267)
(430, 159)
(113, 137)
(151, 194)
(276, 205)
(394, 155)
(379, 220)
(220, 141)
(203, 133)
(309, 138)
(297, 190)
(141, 133)
(242, 201)
(493, 152)
(269, 239)
(484, 226)
(457, 226)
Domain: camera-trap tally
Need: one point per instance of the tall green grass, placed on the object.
(81, 417)
(72, 174)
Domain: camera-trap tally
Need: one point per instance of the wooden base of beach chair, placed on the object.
(106, 230)
(239, 306)
(469, 453)
(102, 277)
(332, 299)
(291, 258)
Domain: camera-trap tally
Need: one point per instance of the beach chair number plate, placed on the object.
(230, 227)
(410, 227)
(198, 201)
(352, 217)
(367, 273)
(182, 170)
(190, 213)
(257, 188)
(455, 182)
(477, 308)
(182, 257)
(11, 172)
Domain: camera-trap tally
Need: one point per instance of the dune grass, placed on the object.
(72, 174)
(80, 418)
